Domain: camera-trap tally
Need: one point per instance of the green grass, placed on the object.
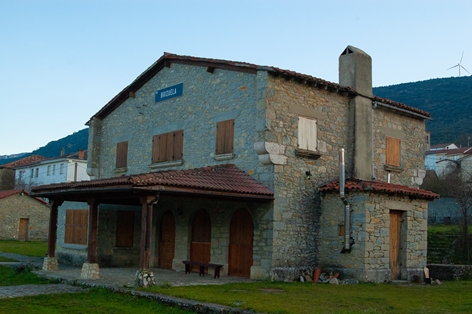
(6, 259)
(448, 229)
(19, 276)
(94, 301)
(29, 248)
(324, 298)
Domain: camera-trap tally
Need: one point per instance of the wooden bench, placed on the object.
(202, 266)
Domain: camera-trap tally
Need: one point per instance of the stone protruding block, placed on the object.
(90, 271)
(50, 263)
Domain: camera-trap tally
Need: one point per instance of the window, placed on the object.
(393, 151)
(36, 173)
(53, 169)
(167, 146)
(224, 137)
(61, 169)
(124, 229)
(122, 155)
(76, 226)
(307, 137)
(32, 173)
(49, 170)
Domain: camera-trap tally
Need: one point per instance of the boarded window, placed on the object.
(122, 155)
(307, 137)
(168, 146)
(224, 137)
(393, 151)
(124, 228)
(76, 226)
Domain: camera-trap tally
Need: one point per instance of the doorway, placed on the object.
(241, 244)
(395, 244)
(200, 245)
(167, 240)
(23, 230)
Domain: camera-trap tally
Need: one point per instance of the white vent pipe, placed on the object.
(347, 209)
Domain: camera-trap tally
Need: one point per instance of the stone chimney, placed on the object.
(81, 154)
(355, 70)
(63, 152)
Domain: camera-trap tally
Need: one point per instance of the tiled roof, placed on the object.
(24, 161)
(223, 178)
(453, 151)
(354, 184)
(168, 58)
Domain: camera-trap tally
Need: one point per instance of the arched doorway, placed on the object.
(201, 238)
(240, 244)
(167, 240)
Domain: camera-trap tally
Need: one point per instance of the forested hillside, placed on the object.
(449, 100)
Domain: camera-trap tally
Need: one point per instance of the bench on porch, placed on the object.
(202, 266)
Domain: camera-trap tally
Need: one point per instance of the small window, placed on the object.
(393, 151)
(76, 226)
(307, 134)
(124, 228)
(32, 173)
(122, 155)
(53, 169)
(167, 146)
(49, 171)
(61, 169)
(224, 137)
(36, 173)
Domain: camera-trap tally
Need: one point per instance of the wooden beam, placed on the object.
(92, 231)
(210, 69)
(147, 204)
(53, 206)
(131, 94)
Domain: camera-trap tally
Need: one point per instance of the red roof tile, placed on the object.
(354, 184)
(223, 178)
(24, 161)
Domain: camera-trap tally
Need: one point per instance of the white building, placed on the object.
(53, 170)
(444, 158)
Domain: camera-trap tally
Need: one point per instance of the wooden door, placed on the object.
(201, 238)
(395, 244)
(23, 230)
(167, 241)
(241, 244)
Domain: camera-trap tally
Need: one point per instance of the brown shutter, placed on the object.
(224, 137)
(167, 146)
(178, 145)
(76, 226)
(393, 151)
(121, 154)
(124, 228)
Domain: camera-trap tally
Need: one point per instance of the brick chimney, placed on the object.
(355, 70)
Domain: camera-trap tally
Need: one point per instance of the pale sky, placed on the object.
(62, 60)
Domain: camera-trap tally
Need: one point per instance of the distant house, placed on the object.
(23, 217)
(68, 168)
(7, 171)
(444, 158)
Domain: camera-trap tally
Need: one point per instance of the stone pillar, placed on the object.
(90, 269)
(50, 262)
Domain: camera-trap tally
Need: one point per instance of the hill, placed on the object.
(71, 144)
(449, 100)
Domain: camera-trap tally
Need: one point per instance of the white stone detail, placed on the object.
(270, 153)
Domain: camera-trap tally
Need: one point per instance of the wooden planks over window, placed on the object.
(122, 155)
(76, 226)
(168, 146)
(393, 151)
(307, 134)
(124, 229)
(224, 137)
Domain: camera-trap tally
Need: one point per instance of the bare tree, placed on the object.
(7, 179)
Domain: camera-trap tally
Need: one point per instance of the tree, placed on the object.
(7, 179)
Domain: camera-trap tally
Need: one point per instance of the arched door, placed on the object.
(167, 240)
(240, 244)
(201, 238)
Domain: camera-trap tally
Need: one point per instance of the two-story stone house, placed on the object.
(222, 161)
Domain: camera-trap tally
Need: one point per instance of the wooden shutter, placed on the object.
(393, 151)
(224, 137)
(307, 134)
(76, 226)
(167, 146)
(124, 228)
(121, 154)
(178, 145)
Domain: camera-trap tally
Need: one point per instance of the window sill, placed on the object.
(165, 164)
(391, 168)
(222, 157)
(308, 153)
(121, 170)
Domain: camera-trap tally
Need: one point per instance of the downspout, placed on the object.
(374, 105)
(347, 209)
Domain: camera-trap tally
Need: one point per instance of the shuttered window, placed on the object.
(224, 137)
(168, 146)
(76, 226)
(122, 155)
(393, 151)
(124, 228)
(307, 137)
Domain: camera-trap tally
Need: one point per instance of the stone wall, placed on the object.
(370, 227)
(17, 206)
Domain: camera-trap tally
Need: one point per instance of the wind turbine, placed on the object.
(459, 65)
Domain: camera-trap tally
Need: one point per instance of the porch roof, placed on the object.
(223, 180)
(354, 184)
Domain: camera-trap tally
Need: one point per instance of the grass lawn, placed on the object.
(450, 297)
(94, 301)
(29, 248)
(19, 276)
(6, 259)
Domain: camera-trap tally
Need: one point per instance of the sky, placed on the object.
(61, 61)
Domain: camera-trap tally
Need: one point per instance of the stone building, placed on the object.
(23, 217)
(221, 161)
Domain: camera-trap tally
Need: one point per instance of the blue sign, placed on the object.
(170, 92)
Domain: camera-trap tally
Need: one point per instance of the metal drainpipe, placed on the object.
(347, 209)
(374, 105)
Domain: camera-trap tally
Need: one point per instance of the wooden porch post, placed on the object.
(50, 262)
(90, 269)
(146, 230)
